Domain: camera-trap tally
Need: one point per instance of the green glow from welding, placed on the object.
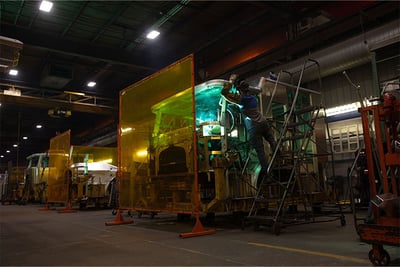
(207, 99)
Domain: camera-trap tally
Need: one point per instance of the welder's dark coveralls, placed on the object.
(256, 124)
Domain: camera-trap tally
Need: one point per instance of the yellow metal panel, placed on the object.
(156, 141)
(58, 168)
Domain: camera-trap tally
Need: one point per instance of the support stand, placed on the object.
(198, 230)
(46, 207)
(118, 220)
(67, 208)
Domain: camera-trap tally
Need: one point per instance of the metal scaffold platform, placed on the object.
(295, 189)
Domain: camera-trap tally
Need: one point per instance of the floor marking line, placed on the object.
(236, 263)
(322, 254)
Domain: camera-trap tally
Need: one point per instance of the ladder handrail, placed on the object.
(289, 116)
(283, 132)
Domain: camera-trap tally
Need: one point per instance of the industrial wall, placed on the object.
(338, 91)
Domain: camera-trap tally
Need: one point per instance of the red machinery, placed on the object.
(381, 125)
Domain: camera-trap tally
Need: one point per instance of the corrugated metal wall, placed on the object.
(337, 90)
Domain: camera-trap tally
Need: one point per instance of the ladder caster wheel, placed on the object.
(114, 212)
(342, 220)
(382, 260)
(276, 228)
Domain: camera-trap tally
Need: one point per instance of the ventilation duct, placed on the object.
(56, 76)
(342, 56)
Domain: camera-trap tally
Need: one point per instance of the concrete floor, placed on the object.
(48, 238)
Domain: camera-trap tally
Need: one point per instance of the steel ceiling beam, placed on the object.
(45, 99)
(90, 51)
(19, 12)
(81, 8)
(159, 23)
(46, 103)
(115, 16)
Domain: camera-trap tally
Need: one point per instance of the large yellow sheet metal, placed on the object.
(156, 168)
(59, 178)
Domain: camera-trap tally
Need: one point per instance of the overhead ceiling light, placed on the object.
(39, 126)
(91, 84)
(13, 72)
(342, 109)
(46, 6)
(15, 145)
(25, 137)
(153, 34)
(8, 151)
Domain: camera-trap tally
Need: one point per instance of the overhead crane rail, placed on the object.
(44, 98)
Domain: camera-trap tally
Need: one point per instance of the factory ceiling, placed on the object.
(57, 53)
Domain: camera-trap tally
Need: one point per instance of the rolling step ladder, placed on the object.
(292, 192)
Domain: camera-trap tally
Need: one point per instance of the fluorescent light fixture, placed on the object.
(153, 34)
(25, 137)
(342, 109)
(91, 84)
(13, 72)
(74, 93)
(2, 156)
(15, 145)
(46, 6)
(8, 151)
(39, 126)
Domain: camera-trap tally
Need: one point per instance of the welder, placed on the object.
(257, 125)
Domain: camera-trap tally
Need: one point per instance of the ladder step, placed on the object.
(263, 199)
(268, 199)
(306, 109)
(274, 184)
(260, 219)
(283, 167)
(296, 137)
(283, 160)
